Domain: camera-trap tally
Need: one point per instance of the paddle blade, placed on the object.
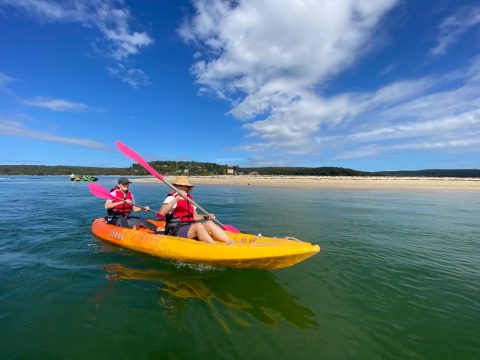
(230, 228)
(99, 191)
(137, 158)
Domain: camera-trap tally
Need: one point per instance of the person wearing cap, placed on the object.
(182, 219)
(119, 212)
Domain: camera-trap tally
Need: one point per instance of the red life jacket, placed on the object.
(184, 211)
(123, 209)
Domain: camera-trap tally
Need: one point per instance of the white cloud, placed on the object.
(273, 59)
(425, 114)
(454, 26)
(465, 122)
(267, 57)
(55, 104)
(51, 104)
(278, 46)
(134, 77)
(4, 80)
(16, 128)
(295, 127)
(447, 119)
(375, 150)
(109, 17)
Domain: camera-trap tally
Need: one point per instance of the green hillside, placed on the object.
(206, 168)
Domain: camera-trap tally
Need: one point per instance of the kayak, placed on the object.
(247, 251)
(84, 178)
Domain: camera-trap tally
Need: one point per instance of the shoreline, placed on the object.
(331, 182)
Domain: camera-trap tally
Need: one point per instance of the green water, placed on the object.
(398, 277)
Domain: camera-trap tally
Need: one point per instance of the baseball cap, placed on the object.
(123, 181)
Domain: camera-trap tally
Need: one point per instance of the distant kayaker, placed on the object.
(119, 212)
(182, 219)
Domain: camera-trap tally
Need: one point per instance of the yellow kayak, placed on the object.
(247, 251)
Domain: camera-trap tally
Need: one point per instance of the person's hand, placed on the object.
(209, 217)
(147, 208)
(128, 201)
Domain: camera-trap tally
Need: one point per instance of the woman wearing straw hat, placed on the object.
(182, 218)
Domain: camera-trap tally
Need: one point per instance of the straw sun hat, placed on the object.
(182, 180)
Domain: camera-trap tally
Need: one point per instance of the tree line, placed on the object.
(60, 170)
(459, 173)
(205, 168)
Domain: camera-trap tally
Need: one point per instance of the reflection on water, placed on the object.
(231, 292)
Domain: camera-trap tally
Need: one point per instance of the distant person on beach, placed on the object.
(119, 212)
(182, 219)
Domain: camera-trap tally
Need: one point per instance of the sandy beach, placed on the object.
(339, 182)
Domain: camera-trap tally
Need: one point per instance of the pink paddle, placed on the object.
(100, 192)
(137, 158)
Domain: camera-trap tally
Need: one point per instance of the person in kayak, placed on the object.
(119, 212)
(182, 219)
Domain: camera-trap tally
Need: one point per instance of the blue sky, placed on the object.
(365, 84)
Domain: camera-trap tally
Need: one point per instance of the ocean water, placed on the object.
(398, 277)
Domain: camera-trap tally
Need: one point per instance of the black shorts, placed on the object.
(130, 222)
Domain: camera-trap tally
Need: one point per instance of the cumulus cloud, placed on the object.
(454, 26)
(277, 46)
(110, 17)
(273, 60)
(15, 128)
(268, 57)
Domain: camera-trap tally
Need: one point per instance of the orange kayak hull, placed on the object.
(247, 251)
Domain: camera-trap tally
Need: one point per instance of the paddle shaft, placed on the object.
(188, 199)
(125, 201)
(103, 193)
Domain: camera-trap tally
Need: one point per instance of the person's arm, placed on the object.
(138, 208)
(110, 204)
(203, 217)
(168, 204)
(197, 217)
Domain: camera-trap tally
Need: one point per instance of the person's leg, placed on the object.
(132, 222)
(121, 221)
(217, 232)
(146, 224)
(198, 231)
